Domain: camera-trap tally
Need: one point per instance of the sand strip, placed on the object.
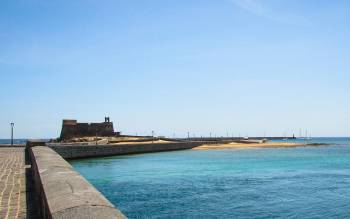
(255, 145)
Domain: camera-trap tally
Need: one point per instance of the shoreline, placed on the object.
(255, 145)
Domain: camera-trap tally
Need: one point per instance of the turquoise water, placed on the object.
(15, 141)
(304, 182)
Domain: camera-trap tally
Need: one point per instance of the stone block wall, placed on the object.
(84, 151)
(63, 192)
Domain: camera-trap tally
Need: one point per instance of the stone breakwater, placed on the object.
(63, 192)
(76, 152)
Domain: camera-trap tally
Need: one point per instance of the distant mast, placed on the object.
(307, 135)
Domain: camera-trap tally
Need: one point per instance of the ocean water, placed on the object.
(303, 182)
(15, 141)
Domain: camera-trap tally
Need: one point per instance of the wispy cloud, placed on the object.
(251, 6)
(262, 9)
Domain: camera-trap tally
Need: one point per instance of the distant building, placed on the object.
(73, 129)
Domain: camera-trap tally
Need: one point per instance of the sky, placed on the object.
(226, 67)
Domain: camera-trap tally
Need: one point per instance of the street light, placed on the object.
(12, 125)
(152, 136)
(96, 136)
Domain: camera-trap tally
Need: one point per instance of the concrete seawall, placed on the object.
(74, 151)
(63, 192)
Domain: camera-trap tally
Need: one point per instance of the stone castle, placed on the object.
(73, 129)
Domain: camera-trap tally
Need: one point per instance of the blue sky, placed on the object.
(222, 66)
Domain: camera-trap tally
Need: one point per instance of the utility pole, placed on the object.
(12, 125)
(188, 136)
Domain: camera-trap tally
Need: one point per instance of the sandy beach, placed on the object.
(253, 145)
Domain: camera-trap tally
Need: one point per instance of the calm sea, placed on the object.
(15, 141)
(304, 182)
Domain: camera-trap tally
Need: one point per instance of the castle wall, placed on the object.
(69, 122)
(71, 129)
(102, 129)
(68, 131)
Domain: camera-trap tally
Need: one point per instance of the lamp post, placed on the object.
(152, 136)
(12, 125)
(96, 137)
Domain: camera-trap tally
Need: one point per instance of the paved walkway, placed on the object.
(15, 185)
